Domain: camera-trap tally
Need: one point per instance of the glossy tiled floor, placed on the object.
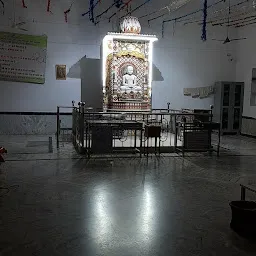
(62, 204)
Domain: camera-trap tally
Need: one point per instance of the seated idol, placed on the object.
(130, 82)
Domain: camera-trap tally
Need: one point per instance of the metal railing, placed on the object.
(109, 132)
(64, 131)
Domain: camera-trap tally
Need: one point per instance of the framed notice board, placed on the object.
(22, 57)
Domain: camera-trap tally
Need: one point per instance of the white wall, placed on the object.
(246, 60)
(182, 59)
(185, 61)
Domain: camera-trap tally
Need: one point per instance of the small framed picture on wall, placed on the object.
(61, 73)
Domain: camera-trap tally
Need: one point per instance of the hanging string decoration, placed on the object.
(204, 32)
(48, 5)
(138, 7)
(111, 6)
(67, 11)
(120, 9)
(23, 4)
(118, 3)
(2, 5)
(162, 29)
(89, 11)
(192, 13)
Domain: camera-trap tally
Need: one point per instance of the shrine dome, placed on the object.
(130, 25)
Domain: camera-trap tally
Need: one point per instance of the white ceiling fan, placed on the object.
(17, 24)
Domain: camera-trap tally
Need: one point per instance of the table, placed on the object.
(102, 133)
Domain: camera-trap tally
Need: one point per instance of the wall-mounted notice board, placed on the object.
(22, 57)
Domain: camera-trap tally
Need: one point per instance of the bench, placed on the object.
(246, 187)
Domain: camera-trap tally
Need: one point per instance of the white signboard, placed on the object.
(22, 58)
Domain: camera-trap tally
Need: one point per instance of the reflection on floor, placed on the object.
(62, 204)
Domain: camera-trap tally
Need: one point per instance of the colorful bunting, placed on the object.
(23, 4)
(204, 35)
(68, 11)
(91, 13)
(48, 5)
(121, 8)
(2, 5)
(118, 3)
(135, 9)
(88, 12)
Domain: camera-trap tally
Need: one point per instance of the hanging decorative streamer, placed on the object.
(111, 6)
(118, 3)
(163, 30)
(48, 5)
(66, 15)
(157, 17)
(204, 35)
(120, 9)
(189, 14)
(67, 11)
(191, 20)
(88, 12)
(149, 14)
(2, 5)
(91, 13)
(23, 4)
(214, 15)
(173, 6)
(135, 9)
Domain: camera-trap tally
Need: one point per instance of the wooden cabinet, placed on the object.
(228, 106)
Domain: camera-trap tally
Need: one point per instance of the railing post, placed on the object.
(82, 125)
(184, 136)
(50, 148)
(74, 123)
(58, 126)
(175, 131)
(210, 128)
(168, 106)
(211, 112)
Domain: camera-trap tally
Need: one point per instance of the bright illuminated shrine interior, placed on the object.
(128, 127)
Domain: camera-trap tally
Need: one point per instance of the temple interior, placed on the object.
(128, 127)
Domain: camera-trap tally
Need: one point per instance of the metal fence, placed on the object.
(64, 124)
(161, 130)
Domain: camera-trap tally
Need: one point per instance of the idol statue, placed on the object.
(130, 82)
